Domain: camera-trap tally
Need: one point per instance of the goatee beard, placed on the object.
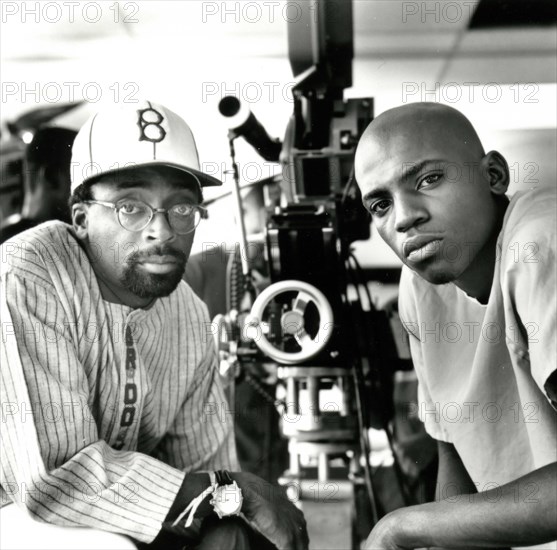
(153, 285)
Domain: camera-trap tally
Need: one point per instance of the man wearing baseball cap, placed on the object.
(107, 353)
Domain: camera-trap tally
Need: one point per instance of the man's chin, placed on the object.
(438, 278)
(436, 275)
(152, 285)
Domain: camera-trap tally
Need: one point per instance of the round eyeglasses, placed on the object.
(135, 215)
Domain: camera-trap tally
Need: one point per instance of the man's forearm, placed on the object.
(521, 512)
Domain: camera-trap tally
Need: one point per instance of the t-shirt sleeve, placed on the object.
(529, 262)
(428, 411)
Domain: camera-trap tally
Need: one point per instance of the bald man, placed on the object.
(477, 298)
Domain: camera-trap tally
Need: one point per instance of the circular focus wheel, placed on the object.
(292, 321)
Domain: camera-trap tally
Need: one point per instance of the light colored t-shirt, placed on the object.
(483, 370)
(104, 407)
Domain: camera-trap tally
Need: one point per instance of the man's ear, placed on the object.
(80, 219)
(496, 171)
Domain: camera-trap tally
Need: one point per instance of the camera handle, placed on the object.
(292, 321)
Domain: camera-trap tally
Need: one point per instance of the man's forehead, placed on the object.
(399, 148)
(383, 152)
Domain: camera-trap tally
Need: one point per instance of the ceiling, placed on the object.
(387, 29)
(403, 50)
(395, 42)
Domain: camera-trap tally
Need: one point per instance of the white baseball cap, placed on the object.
(132, 135)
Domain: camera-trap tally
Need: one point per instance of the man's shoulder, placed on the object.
(42, 237)
(528, 234)
(530, 200)
(39, 248)
(531, 213)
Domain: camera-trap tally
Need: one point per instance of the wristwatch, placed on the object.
(227, 497)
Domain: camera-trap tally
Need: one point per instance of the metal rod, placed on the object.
(323, 468)
(313, 394)
(238, 209)
(292, 396)
(294, 458)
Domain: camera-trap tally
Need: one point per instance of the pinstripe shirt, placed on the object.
(104, 408)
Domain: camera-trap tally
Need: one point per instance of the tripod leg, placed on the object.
(360, 516)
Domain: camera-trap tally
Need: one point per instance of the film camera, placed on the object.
(307, 322)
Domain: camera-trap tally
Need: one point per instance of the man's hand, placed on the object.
(268, 510)
(384, 534)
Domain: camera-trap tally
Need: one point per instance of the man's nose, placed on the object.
(160, 229)
(409, 212)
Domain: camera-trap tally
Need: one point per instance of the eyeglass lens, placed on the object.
(135, 216)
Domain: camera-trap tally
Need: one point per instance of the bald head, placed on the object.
(425, 178)
(437, 127)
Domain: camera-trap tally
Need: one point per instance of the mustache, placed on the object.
(161, 250)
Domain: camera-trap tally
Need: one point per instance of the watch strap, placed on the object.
(223, 477)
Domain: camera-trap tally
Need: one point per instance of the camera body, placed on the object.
(309, 239)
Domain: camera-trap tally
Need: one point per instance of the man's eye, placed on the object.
(429, 180)
(182, 209)
(131, 208)
(379, 207)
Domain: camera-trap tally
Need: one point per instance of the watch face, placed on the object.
(227, 500)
